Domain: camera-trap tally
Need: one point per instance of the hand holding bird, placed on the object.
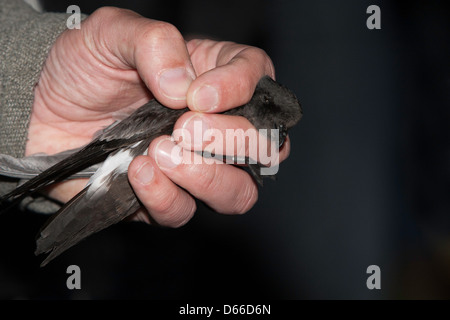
(155, 63)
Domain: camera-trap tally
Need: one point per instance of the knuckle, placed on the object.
(285, 150)
(157, 32)
(259, 57)
(108, 12)
(172, 209)
(269, 66)
(208, 177)
(258, 52)
(164, 202)
(186, 215)
(246, 199)
(254, 53)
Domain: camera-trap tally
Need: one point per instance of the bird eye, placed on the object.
(266, 99)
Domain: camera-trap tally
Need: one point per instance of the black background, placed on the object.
(367, 181)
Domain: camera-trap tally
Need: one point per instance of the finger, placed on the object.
(227, 74)
(224, 188)
(168, 204)
(234, 135)
(155, 48)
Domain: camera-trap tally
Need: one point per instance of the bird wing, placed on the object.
(145, 121)
(31, 166)
(107, 199)
(76, 220)
(95, 208)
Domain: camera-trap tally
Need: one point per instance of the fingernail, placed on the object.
(168, 154)
(194, 131)
(205, 98)
(174, 83)
(145, 173)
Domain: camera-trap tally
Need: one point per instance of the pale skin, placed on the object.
(119, 60)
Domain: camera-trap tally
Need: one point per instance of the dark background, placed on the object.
(367, 181)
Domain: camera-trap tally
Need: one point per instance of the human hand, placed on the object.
(118, 60)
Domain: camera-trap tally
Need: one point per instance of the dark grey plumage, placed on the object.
(108, 198)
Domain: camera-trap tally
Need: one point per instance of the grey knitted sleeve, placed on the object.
(25, 40)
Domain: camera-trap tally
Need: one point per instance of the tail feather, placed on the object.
(93, 153)
(30, 167)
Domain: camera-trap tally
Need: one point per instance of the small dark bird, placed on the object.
(108, 197)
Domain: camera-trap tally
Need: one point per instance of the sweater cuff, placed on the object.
(27, 37)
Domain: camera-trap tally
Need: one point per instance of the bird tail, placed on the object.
(86, 157)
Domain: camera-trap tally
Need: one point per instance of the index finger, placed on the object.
(227, 74)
